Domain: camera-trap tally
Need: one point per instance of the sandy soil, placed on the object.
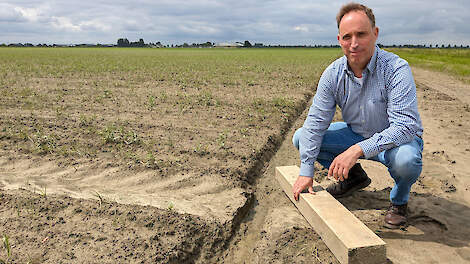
(438, 230)
(190, 218)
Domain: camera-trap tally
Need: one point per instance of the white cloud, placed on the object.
(94, 25)
(199, 28)
(64, 23)
(9, 14)
(30, 14)
(301, 29)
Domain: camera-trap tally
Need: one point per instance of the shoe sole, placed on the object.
(360, 186)
(390, 226)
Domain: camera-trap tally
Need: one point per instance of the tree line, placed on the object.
(124, 42)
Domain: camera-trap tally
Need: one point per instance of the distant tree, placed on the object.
(185, 45)
(123, 42)
(247, 44)
(207, 44)
(139, 43)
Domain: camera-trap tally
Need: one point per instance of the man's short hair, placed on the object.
(355, 7)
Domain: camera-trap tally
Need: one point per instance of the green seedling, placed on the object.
(44, 193)
(221, 140)
(107, 94)
(6, 245)
(244, 131)
(151, 161)
(201, 149)
(100, 197)
(44, 143)
(117, 135)
(152, 102)
(163, 96)
(205, 99)
(86, 120)
(282, 102)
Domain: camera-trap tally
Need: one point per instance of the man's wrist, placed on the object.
(358, 151)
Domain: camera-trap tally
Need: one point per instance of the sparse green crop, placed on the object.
(118, 135)
(43, 143)
(453, 61)
(221, 139)
(159, 109)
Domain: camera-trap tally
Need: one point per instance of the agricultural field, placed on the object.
(150, 108)
(115, 155)
(183, 130)
(455, 62)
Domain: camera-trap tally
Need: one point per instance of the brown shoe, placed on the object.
(357, 179)
(396, 216)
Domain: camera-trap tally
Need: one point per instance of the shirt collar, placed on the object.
(370, 66)
(373, 61)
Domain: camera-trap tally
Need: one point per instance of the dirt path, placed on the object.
(443, 83)
(274, 231)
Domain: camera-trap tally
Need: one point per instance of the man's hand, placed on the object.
(341, 165)
(300, 184)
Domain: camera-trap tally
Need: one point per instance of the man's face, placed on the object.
(357, 38)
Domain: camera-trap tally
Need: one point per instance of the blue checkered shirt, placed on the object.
(383, 109)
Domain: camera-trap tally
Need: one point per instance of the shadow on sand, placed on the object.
(438, 220)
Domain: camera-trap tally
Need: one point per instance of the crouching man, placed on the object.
(377, 96)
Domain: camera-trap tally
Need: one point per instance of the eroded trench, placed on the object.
(271, 229)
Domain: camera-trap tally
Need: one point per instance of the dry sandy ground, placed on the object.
(438, 230)
(186, 219)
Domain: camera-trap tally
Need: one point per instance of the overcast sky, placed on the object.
(266, 21)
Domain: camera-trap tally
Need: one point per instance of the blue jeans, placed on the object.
(404, 163)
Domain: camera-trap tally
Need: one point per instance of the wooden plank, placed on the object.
(346, 236)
